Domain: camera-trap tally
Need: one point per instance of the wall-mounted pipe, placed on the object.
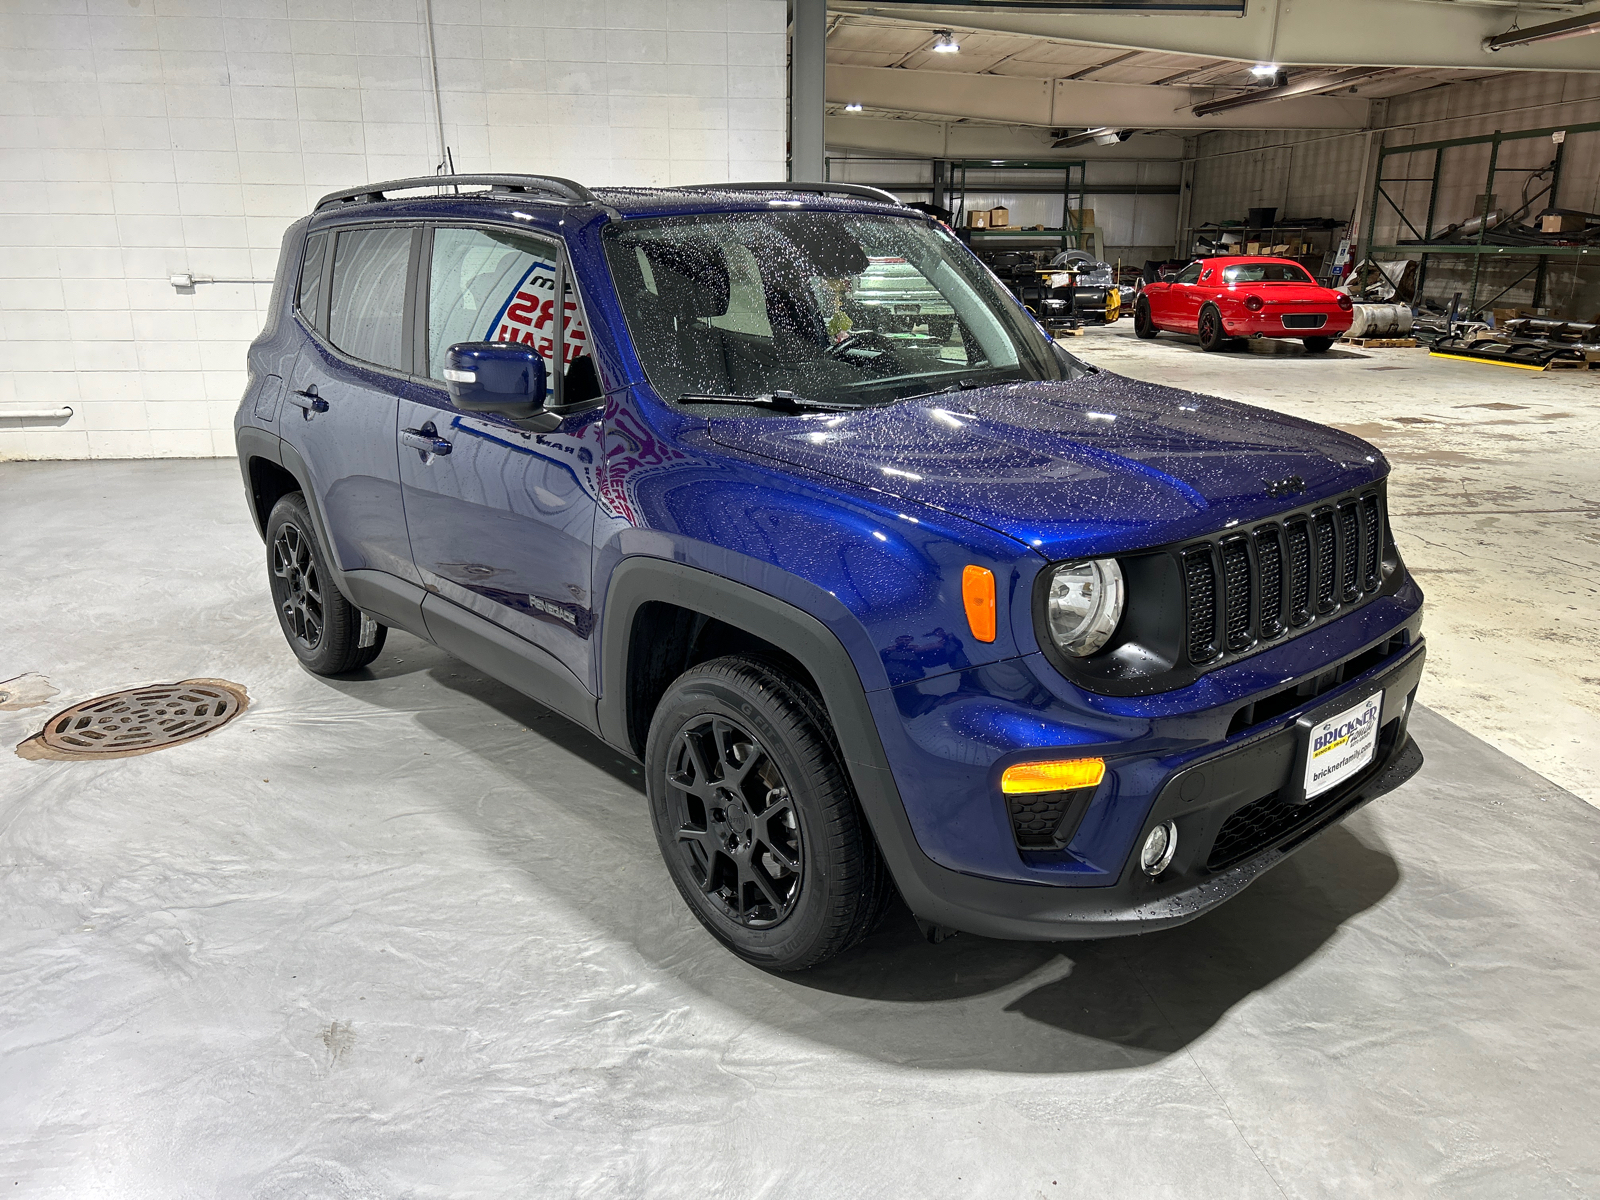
(35, 414)
(184, 281)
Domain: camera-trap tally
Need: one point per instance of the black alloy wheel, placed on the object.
(1317, 345)
(1212, 335)
(296, 581)
(1143, 326)
(326, 632)
(756, 819)
(735, 822)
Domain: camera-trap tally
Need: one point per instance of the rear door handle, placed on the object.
(425, 440)
(309, 401)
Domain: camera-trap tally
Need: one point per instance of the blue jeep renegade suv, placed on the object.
(777, 490)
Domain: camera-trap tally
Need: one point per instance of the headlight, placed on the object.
(1084, 605)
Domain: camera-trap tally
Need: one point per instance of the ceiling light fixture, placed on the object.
(1106, 137)
(1556, 30)
(1265, 69)
(852, 108)
(944, 42)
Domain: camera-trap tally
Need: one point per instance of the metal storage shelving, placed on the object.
(1479, 250)
(950, 180)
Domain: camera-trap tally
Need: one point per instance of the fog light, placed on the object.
(1159, 847)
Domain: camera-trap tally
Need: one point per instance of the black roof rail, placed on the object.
(551, 186)
(843, 189)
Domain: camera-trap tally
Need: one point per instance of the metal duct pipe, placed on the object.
(35, 414)
(1555, 31)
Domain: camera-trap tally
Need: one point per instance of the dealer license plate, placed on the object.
(1342, 745)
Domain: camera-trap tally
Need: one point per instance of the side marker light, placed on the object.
(977, 593)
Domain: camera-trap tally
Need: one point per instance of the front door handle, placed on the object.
(309, 401)
(425, 441)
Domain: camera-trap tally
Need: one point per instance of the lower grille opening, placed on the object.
(1275, 704)
(1047, 820)
(1304, 320)
(1267, 822)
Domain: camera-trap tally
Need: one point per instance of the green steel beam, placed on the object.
(1509, 251)
(1480, 139)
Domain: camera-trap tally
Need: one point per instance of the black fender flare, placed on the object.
(393, 601)
(934, 893)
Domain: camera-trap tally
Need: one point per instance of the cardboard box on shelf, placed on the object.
(1081, 218)
(1252, 247)
(999, 218)
(978, 220)
(1561, 223)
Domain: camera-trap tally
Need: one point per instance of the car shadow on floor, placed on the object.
(1275, 348)
(965, 1003)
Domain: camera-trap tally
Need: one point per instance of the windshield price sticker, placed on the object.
(1342, 745)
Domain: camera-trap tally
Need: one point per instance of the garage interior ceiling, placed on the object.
(1013, 68)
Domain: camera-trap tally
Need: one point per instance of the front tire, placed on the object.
(1317, 345)
(1143, 326)
(1212, 335)
(322, 628)
(756, 819)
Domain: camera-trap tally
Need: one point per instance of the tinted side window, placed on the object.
(309, 298)
(496, 287)
(1190, 274)
(367, 316)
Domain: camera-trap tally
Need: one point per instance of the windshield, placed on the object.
(831, 307)
(1280, 272)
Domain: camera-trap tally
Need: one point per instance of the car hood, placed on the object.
(1098, 465)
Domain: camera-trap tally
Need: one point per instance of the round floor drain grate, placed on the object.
(138, 720)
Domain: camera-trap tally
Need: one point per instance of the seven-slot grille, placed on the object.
(1250, 586)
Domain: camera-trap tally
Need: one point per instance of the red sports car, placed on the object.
(1225, 298)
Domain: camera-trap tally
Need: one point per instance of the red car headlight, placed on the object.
(1253, 303)
(1345, 302)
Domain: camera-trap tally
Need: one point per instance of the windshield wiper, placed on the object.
(964, 385)
(780, 400)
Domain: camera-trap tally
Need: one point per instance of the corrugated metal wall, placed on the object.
(1325, 175)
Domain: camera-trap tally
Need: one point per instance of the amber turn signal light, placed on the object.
(977, 593)
(1026, 778)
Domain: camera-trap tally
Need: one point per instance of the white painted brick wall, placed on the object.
(140, 138)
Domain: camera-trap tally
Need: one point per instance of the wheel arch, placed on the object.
(934, 893)
(662, 617)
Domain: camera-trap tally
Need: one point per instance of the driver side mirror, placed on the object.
(507, 378)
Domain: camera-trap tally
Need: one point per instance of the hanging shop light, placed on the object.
(852, 107)
(1577, 26)
(944, 42)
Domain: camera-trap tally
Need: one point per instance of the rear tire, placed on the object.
(322, 627)
(1143, 326)
(1212, 335)
(756, 819)
(1317, 345)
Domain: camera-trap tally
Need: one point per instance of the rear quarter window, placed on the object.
(366, 314)
(308, 299)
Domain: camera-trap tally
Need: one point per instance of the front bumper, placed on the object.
(1241, 783)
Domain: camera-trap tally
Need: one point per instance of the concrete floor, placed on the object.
(1495, 499)
(408, 934)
